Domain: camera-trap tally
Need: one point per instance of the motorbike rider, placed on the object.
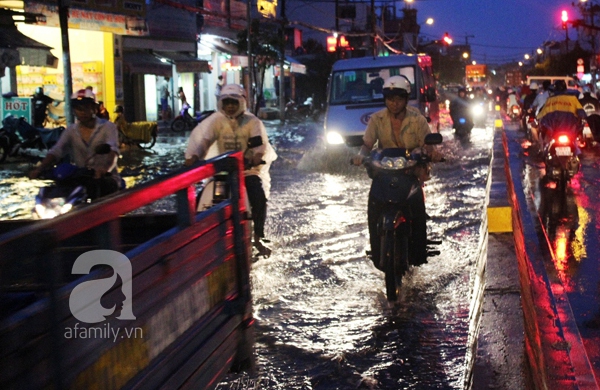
(590, 104)
(528, 102)
(80, 141)
(561, 111)
(40, 103)
(398, 126)
(460, 108)
(231, 127)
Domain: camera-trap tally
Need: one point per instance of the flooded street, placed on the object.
(322, 318)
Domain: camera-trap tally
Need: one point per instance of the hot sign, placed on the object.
(18, 107)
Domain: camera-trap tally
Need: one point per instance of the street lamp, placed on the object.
(429, 21)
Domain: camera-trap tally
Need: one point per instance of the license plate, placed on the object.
(563, 151)
(587, 131)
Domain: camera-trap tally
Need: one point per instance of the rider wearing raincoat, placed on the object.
(230, 128)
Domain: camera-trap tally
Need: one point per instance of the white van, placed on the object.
(570, 81)
(354, 93)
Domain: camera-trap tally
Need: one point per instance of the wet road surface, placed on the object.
(568, 227)
(323, 321)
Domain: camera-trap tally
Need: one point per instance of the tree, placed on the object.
(266, 39)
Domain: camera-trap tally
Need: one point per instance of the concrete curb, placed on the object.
(495, 351)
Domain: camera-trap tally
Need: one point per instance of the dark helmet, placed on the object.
(546, 84)
(396, 86)
(39, 91)
(463, 90)
(560, 86)
(119, 109)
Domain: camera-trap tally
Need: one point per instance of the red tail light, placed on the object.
(563, 139)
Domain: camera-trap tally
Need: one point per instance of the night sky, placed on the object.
(503, 31)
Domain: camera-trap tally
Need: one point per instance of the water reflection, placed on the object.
(563, 228)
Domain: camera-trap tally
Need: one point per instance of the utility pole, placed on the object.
(63, 17)
(281, 64)
(250, 58)
(374, 27)
(467, 39)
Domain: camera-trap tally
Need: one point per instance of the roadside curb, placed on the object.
(495, 356)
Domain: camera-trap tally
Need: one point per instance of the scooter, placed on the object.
(68, 189)
(393, 184)
(560, 158)
(514, 112)
(463, 126)
(17, 135)
(479, 112)
(185, 122)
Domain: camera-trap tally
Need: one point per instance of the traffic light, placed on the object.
(565, 18)
(447, 40)
(331, 44)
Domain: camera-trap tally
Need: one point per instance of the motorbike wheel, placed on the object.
(4, 148)
(179, 125)
(149, 144)
(392, 285)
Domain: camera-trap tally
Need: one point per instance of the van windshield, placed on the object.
(366, 85)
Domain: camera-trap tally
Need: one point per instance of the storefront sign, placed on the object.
(17, 107)
(91, 20)
(122, 7)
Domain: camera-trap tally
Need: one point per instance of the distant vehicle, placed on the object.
(476, 76)
(570, 81)
(355, 93)
(514, 78)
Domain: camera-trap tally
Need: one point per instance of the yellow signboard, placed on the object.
(267, 8)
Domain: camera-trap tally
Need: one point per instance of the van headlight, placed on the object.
(334, 138)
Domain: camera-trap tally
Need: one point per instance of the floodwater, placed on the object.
(322, 319)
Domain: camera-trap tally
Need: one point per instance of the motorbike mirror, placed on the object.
(433, 139)
(103, 149)
(255, 141)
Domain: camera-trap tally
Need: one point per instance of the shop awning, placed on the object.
(143, 62)
(295, 66)
(185, 63)
(221, 46)
(18, 49)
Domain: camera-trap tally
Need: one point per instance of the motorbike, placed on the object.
(393, 184)
(514, 112)
(185, 122)
(17, 134)
(68, 189)
(560, 158)
(296, 111)
(463, 125)
(479, 112)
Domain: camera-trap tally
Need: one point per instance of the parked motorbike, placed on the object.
(393, 184)
(297, 111)
(560, 158)
(185, 122)
(68, 189)
(17, 134)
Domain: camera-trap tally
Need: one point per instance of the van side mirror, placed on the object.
(433, 139)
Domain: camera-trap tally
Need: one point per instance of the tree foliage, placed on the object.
(266, 42)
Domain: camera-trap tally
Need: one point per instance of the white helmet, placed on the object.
(533, 85)
(83, 96)
(233, 91)
(396, 86)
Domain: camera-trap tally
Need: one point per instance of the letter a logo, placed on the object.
(84, 301)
